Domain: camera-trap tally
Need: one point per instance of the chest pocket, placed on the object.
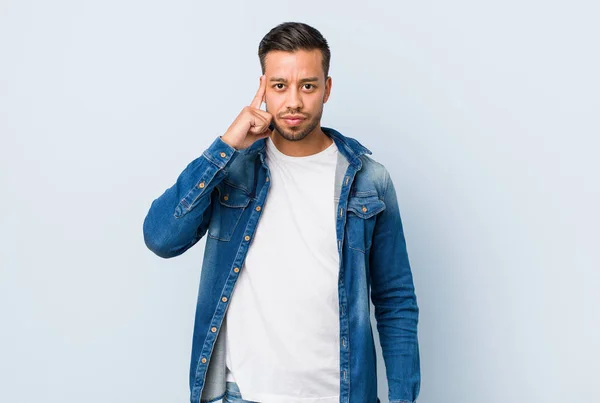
(360, 220)
(227, 212)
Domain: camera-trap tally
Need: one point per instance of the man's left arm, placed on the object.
(395, 301)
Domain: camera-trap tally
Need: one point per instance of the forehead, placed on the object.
(300, 63)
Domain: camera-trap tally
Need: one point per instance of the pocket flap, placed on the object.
(365, 207)
(231, 196)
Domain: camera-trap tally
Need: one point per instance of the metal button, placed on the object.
(201, 185)
(257, 208)
(214, 329)
(247, 238)
(267, 179)
(224, 299)
(203, 360)
(223, 154)
(364, 209)
(237, 269)
(226, 197)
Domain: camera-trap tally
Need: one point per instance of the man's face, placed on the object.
(296, 86)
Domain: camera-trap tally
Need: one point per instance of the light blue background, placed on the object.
(485, 113)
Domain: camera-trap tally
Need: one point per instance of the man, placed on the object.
(305, 227)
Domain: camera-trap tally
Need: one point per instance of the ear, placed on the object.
(327, 89)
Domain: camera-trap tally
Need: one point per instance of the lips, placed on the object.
(293, 120)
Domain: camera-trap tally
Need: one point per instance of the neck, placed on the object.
(315, 142)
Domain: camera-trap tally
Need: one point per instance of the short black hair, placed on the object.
(292, 36)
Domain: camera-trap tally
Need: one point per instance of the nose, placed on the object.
(294, 100)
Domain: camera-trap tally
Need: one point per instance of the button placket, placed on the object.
(235, 269)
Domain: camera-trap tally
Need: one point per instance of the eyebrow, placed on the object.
(303, 80)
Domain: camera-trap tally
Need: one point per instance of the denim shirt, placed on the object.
(221, 194)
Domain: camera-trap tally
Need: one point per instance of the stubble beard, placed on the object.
(298, 133)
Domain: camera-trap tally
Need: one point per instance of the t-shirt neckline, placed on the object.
(330, 150)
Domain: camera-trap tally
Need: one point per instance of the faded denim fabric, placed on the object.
(233, 394)
(221, 193)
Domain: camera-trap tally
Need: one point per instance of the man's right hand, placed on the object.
(251, 124)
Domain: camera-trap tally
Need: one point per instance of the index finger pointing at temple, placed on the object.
(257, 101)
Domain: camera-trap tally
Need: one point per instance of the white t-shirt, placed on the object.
(282, 324)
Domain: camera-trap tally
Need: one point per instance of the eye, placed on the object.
(280, 86)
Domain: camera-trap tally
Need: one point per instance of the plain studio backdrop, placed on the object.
(484, 112)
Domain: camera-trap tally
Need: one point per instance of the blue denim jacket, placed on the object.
(221, 194)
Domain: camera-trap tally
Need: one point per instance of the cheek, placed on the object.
(275, 103)
(271, 98)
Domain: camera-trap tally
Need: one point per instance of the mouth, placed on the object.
(292, 121)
